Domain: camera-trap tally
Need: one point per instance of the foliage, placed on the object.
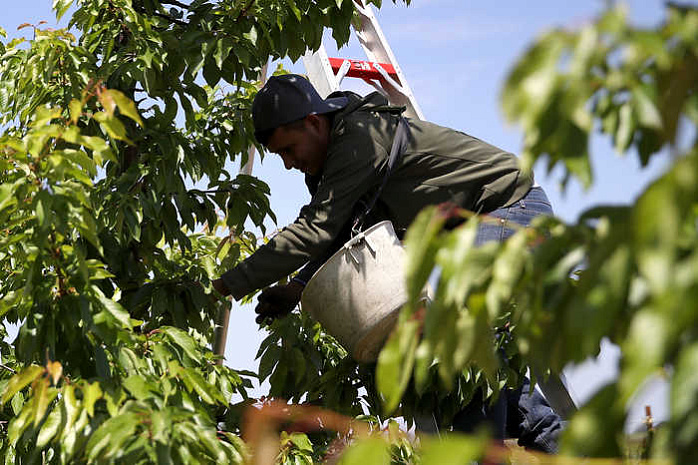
(102, 384)
(303, 363)
(628, 273)
(391, 446)
(117, 210)
(634, 85)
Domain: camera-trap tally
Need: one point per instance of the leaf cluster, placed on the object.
(626, 273)
(635, 85)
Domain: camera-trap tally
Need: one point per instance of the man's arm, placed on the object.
(278, 301)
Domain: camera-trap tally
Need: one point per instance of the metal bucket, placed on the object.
(357, 294)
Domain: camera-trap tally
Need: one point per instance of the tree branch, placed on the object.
(175, 3)
(5, 367)
(171, 19)
(244, 10)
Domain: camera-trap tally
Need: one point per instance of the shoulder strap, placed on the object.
(399, 142)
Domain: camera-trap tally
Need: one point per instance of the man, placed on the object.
(342, 144)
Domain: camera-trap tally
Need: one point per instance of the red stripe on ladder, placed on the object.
(363, 69)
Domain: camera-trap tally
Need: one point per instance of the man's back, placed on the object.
(438, 164)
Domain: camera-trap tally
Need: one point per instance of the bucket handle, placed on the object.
(354, 242)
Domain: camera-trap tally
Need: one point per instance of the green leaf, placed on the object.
(453, 450)
(647, 112)
(301, 441)
(112, 435)
(395, 363)
(223, 47)
(683, 400)
(91, 393)
(210, 441)
(170, 109)
(7, 197)
(161, 424)
(421, 244)
(75, 107)
(593, 430)
(506, 271)
(532, 82)
(182, 340)
(107, 102)
(19, 423)
(297, 12)
(614, 20)
(626, 128)
(126, 106)
(684, 386)
(114, 309)
(88, 230)
(130, 362)
(20, 381)
(139, 387)
(251, 35)
(60, 7)
(113, 126)
(464, 266)
(41, 217)
(17, 403)
(298, 364)
(268, 361)
(70, 405)
(50, 427)
(43, 395)
(373, 451)
(4, 93)
(423, 361)
(45, 115)
(77, 157)
(194, 381)
(211, 74)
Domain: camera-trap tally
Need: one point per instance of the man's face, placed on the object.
(303, 147)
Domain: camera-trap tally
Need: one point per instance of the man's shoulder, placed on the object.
(359, 128)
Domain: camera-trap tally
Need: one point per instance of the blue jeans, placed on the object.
(533, 204)
(516, 413)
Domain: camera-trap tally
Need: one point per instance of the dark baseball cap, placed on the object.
(287, 98)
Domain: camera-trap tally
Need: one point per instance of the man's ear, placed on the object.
(317, 122)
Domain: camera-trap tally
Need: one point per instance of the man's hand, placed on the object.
(220, 287)
(278, 301)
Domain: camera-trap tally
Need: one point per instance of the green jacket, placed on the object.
(438, 165)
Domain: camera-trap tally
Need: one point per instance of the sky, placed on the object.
(456, 55)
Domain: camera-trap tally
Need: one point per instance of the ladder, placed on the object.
(381, 71)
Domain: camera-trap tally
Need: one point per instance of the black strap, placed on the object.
(399, 142)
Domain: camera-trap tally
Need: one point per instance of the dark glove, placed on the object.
(277, 301)
(220, 287)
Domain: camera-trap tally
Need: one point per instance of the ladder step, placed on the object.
(363, 69)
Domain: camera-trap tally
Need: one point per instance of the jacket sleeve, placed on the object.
(354, 164)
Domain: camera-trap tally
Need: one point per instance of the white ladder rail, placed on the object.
(377, 49)
(220, 330)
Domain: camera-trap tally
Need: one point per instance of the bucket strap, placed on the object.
(399, 142)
